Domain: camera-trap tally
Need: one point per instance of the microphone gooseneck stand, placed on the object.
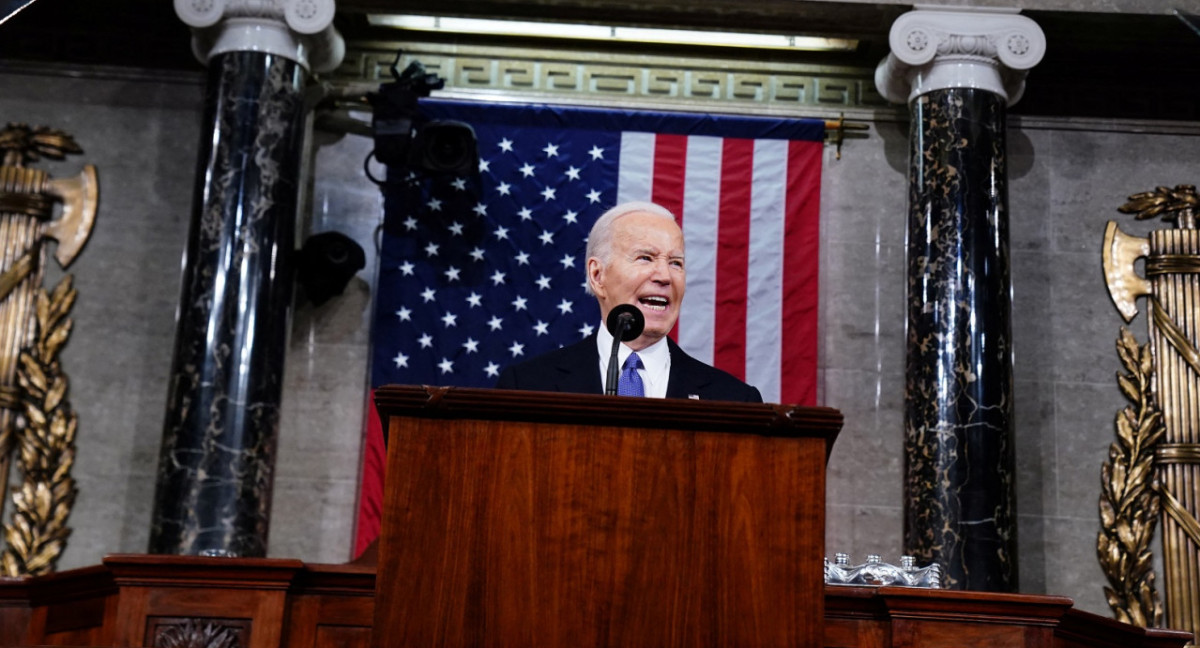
(626, 323)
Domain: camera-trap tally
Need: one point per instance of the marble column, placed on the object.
(958, 71)
(216, 465)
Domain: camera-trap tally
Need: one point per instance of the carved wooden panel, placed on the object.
(197, 632)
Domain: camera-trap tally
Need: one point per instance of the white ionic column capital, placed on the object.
(935, 48)
(301, 30)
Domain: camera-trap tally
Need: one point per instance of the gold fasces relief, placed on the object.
(37, 424)
(1153, 473)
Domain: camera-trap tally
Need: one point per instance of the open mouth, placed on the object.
(654, 302)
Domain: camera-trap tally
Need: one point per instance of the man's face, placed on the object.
(645, 269)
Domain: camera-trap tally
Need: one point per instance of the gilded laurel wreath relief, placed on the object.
(37, 424)
(1153, 470)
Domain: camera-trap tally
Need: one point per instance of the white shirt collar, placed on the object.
(656, 362)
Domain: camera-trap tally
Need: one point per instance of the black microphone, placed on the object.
(626, 323)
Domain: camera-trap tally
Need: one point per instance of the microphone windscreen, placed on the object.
(636, 322)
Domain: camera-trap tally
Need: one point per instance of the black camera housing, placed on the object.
(404, 139)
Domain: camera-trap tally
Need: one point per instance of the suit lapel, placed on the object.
(686, 380)
(578, 370)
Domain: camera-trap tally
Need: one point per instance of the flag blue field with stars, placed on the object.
(479, 272)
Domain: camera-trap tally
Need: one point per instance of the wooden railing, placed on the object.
(140, 600)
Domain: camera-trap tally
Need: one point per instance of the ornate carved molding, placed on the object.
(989, 49)
(583, 76)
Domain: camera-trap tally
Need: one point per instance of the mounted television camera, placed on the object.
(403, 138)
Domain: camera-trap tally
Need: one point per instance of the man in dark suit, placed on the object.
(635, 256)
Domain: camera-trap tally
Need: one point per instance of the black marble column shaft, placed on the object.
(218, 452)
(960, 504)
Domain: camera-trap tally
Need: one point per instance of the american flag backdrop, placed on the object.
(479, 272)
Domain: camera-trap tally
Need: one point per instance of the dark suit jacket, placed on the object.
(574, 369)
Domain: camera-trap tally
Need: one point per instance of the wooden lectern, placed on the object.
(538, 519)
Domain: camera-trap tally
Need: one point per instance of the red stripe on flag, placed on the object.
(670, 160)
(670, 169)
(370, 489)
(733, 243)
(801, 241)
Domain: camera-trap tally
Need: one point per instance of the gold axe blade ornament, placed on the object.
(1120, 252)
(37, 424)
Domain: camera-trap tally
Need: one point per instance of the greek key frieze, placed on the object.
(592, 75)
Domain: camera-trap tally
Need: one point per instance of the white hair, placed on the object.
(599, 242)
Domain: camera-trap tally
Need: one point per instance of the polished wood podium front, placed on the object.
(536, 519)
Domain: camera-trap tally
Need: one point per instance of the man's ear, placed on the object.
(595, 276)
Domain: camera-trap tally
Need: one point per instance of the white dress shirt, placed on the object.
(656, 362)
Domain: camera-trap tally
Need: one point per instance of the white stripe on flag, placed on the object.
(701, 200)
(636, 169)
(764, 286)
